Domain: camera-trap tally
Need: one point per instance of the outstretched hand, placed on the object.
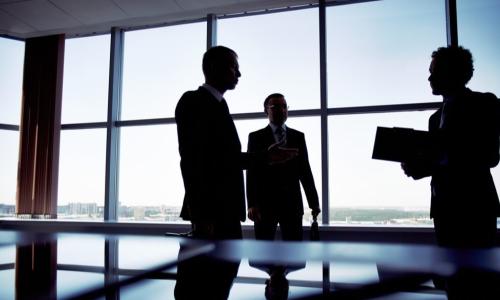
(278, 155)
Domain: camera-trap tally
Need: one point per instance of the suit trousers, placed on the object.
(290, 227)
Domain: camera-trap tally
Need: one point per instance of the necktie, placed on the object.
(280, 136)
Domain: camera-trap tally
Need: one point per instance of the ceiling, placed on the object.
(31, 18)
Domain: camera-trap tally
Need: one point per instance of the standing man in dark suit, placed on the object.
(464, 202)
(211, 168)
(273, 191)
(210, 150)
(211, 159)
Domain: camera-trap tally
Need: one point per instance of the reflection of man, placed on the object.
(464, 202)
(273, 191)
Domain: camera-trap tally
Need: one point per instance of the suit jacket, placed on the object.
(275, 189)
(468, 143)
(211, 159)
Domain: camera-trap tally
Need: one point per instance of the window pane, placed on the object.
(9, 143)
(379, 52)
(277, 52)
(151, 187)
(363, 190)
(86, 79)
(81, 174)
(478, 23)
(11, 80)
(159, 66)
(477, 31)
(310, 126)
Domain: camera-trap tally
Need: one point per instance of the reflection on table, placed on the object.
(100, 266)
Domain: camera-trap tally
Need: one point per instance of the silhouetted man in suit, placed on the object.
(273, 191)
(464, 202)
(212, 170)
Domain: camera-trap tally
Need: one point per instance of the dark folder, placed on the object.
(402, 144)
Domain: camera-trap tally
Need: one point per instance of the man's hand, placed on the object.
(278, 155)
(416, 170)
(254, 214)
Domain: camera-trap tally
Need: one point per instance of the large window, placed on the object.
(151, 187)
(82, 150)
(277, 53)
(9, 143)
(379, 52)
(368, 191)
(11, 76)
(477, 31)
(377, 60)
(81, 174)
(86, 77)
(477, 23)
(159, 66)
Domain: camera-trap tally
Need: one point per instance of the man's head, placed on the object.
(451, 68)
(221, 69)
(276, 109)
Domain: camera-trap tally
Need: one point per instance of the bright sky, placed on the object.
(378, 53)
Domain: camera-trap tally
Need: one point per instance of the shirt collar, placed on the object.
(213, 91)
(273, 127)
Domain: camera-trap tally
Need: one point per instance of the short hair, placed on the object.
(273, 95)
(214, 57)
(457, 60)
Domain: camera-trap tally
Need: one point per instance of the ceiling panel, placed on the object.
(9, 24)
(143, 8)
(32, 18)
(91, 11)
(40, 14)
(195, 4)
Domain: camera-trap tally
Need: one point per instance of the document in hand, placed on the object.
(402, 144)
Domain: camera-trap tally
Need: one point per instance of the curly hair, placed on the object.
(457, 61)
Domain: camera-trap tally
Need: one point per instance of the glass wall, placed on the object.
(83, 150)
(378, 52)
(151, 187)
(367, 191)
(11, 78)
(159, 65)
(477, 23)
(277, 53)
(81, 174)
(377, 59)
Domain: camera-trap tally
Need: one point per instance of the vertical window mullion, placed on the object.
(211, 30)
(113, 133)
(451, 22)
(324, 113)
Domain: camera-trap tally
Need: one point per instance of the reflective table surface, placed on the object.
(101, 266)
